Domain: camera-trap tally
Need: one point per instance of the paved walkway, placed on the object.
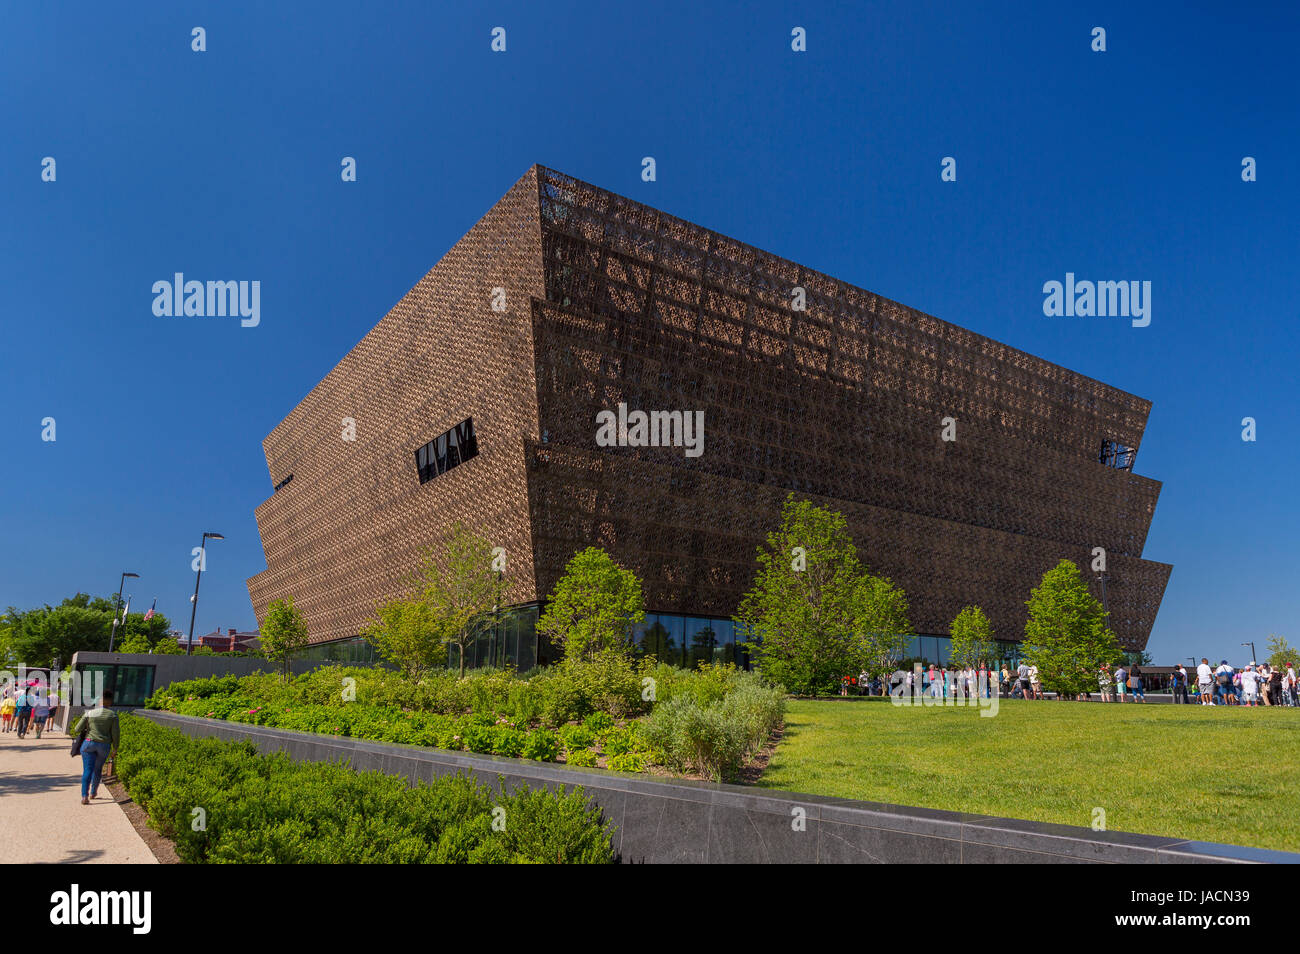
(42, 819)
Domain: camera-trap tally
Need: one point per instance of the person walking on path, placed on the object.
(102, 736)
(53, 709)
(23, 709)
(40, 711)
(7, 711)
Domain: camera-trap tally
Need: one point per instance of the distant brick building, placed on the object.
(466, 413)
(230, 641)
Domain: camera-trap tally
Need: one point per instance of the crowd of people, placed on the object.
(1256, 684)
(27, 707)
(33, 706)
(1222, 685)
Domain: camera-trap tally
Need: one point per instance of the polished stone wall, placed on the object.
(685, 822)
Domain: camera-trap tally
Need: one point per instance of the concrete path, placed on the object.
(42, 819)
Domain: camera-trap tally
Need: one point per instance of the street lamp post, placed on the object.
(194, 600)
(117, 606)
(1251, 644)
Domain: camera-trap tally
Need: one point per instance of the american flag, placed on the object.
(149, 615)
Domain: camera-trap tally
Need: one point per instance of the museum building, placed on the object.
(477, 399)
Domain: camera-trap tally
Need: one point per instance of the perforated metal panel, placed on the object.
(612, 301)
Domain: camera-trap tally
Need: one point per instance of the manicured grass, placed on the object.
(1222, 774)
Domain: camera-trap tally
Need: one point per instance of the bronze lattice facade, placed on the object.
(609, 301)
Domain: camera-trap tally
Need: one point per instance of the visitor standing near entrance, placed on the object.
(1205, 681)
(1121, 678)
(1103, 681)
(1180, 686)
(1035, 683)
(1223, 687)
(1249, 686)
(1022, 681)
(7, 710)
(1135, 685)
(54, 710)
(102, 736)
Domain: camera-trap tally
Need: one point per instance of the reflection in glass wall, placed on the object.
(511, 640)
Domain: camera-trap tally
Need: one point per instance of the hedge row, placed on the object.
(223, 802)
(580, 744)
(705, 722)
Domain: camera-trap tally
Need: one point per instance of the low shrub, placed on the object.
(628, 762)
(270, 809)
(542, 746)
(576, 737)
(580, 757)
(713, 738)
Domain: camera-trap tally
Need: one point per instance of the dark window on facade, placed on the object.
(283, 482)
(446, 451)
(1115, 454)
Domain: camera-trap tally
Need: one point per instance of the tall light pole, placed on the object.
(194, 600)
(117, 605)
(1251, 644)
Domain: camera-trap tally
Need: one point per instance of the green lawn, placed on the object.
(1214, 774)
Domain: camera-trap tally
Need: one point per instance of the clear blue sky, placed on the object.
(225, 164)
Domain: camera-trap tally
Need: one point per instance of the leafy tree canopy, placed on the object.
(1066, 635)
(814, 614)
(593, 607)
(972, 637)
(80, 623)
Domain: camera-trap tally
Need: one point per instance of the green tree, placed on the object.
(801, 615)
(152, 630)
(972, 637)
(168, 646)
(283, 633)
(880, 615)
(1281, 653)
(405, 633)
(80, 623)
(8, 654)
(1066, 635)
(455, 593)
(593, 606)
(135, 643)
(1138, 657)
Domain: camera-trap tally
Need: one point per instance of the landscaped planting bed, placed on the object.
(223, 801)
(609, 713)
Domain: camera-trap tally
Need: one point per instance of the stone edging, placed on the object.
(683, 821)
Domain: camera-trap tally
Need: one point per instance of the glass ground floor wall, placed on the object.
(510, 640)
(938, 650)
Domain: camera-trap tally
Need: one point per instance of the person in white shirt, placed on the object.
(1205, 681)
(1288, 686)
(1249, 686)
